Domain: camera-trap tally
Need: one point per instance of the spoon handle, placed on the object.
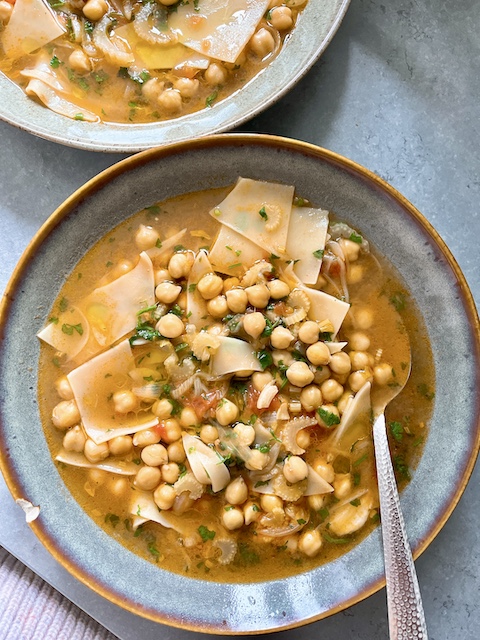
(405, 611)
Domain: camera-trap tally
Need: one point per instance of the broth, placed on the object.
(139, 62)
(242, 531)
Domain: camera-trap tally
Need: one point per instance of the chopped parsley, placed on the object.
(330, 419)
(396, 429)
(263, 214)
(355, 237)
(209, 100)
(265, 358)
(205, 533)
(70, 328)
(424, 390)
(318, 254)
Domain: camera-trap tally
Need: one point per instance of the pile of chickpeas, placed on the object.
(318, 384)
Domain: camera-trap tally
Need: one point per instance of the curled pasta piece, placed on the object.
(150, 24)
(290, 430)
(111, 49)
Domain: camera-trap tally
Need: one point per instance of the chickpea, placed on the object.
(95, 452)
(281, 18)
(295, 469)
(79, 61)
(260, 379)
(281, 338)
(125, 401)
(145, 437)
(360, 360)
(95, 9)
(215, 74)
(118, 487)
(245, 433)
(309, 332)
(217, 307)
(65, 414)
(310, 543)
(311, 398)
(303, 439)
(120, 445)
(364, 318)
(151, 89)
(270, 502)
(237, 300)
(97, 476)
(278, 289)
(251, 512)
(170, 326)
(342, 485)
(122, 267)
(162, 275)
(167, 292)
(188, 417)
(154, 455)
(180, 264)
(164, 496)
(258, 295)
(5, 11)
(382, 374)
(357, 379)
(148, 478)
(162, 408)
(331, 390)
(354, 274)
(254, 323)
(282, 357)
(208, 434)
(170, 100)
(330, 409)
(176, 452)
(236, 491)
(257, 460)
(230, 283)
(324, 469)
(172, 431)
(343, 402)
(350, 249)
(146, 237)
(63, 388)
(187, 87)
(262, 43)
(299, 374)
(318, 353)
(316, 502)
(74, 439)
(226, 412)
(340, 363)
(210, 286)
(359, 341)
(232, 518)
(170, 472)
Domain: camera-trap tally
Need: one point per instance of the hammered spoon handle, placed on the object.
(406, 618)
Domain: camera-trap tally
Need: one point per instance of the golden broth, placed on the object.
(98, 86)
(106, 497)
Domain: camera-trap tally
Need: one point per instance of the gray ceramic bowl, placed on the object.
(396, 229)
(316, 27)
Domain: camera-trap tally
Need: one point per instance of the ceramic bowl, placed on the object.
(393, 226)
(316, 27)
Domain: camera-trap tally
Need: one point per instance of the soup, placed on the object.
(127, 61)
(206, 383)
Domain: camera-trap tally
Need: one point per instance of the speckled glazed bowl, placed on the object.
(315, 29)
(396, 229)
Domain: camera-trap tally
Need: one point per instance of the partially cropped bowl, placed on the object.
(316, 26)
(394, 227)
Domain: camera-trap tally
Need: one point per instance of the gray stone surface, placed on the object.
(396, 91)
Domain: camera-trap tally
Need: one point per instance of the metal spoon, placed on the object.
(406, 618)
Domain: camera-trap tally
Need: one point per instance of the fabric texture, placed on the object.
(30, 609)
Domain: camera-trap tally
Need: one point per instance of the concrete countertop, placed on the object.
(397, 91)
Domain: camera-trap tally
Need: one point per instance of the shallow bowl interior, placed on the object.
(316, 27)
(394, 227)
